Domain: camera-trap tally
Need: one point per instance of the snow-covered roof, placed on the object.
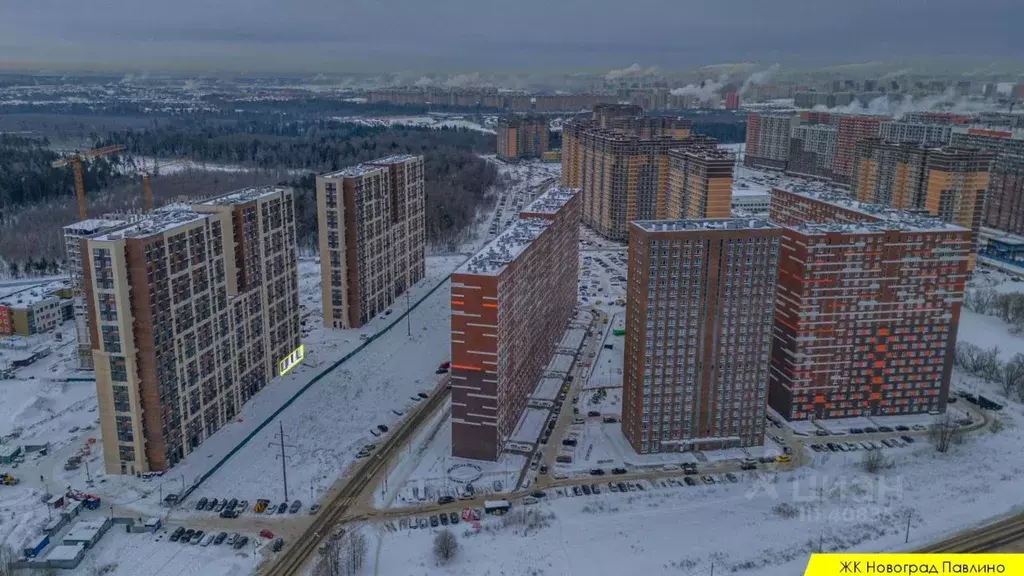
(393, 159)
(28, 298)
(92, 226)
(66, 552)
(551, 201)
(703, 224)
(883, 217)
(157, 223)
(493, 258)
(84, 531)
(353, 171)
(243, 196)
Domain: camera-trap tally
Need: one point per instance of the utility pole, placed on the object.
(284, 457)
(408, 314)
(88, 476)
(907, 538)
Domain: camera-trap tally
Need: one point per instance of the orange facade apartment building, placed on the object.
(867, 308)
(511, 304)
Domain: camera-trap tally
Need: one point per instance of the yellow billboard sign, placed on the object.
(836, 564)
(292, 360)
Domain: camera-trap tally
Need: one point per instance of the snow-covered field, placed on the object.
(123, 554)
(432, 121)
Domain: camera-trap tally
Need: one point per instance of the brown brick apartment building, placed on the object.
(699, 183)
(948, 182)
(511, 303)
(603, 114)
(191, 313)
(1004, 206)
(653, 126)
(521, 137)
(698, 333)
(851, 129)
(371, 237)
(868, 302)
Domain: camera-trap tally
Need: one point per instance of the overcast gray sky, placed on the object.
(367, 35)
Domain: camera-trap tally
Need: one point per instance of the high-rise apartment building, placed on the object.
(511, 304)
(623, 177)
(956, 184)
(191, 313)
(371, 236)
(699, 183)
(698, 333)
(768, 140)
(521, 137)
(603, 114)
(924, 133)
(652, 126)
(732, 101)
(867, 308)
(1004, 207)
(73, 235)
(812, 150)
(942, 118)
(851, 129)
(890, 174)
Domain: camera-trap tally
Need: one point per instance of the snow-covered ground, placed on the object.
(433, 121)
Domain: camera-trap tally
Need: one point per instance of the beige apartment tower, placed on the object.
(699, 183)
(372, 237)
(191, 313)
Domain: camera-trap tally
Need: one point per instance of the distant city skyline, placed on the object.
(391, 35)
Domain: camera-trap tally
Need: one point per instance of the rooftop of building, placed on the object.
(493, 258)
(93, 226)
(552, 200)
(394, 159)
(243, 196)
(85, 530)
(352, 171)
(28, 298)
(885, 218)
(66, 552)
(707, 153)
(158, 222)
(694, 225)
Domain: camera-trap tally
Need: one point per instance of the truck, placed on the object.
(91, 501)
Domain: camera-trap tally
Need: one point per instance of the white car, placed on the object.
(207, 539)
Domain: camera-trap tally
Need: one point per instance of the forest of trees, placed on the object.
(36, 199)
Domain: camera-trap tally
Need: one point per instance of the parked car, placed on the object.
(444, 519)
(241, 542)
(445, 500)
(266, 534)
(201, 505)
(211, 504)
(908, 439)
(618, 471)
(197, 537)
(220, 538)
(207, 540)
(597, 472)
(176, 535)
(282, 508)
(383, 429)
(748, 465)
(870, 430)
(594, 414)
(422, 395)
(707, 479)
(731, 477)
(689, 481)
(314, 509)
(221, 505)
(434, 521)
(270, 509)
(228, 514)
(586, 490)
(593, 488)
(623, 487)
(187, 536)
(232, 539)
(613, 486)
(453, 517)
(884, 429)
(242, 507)
(543, 469)
(902, 428)
(856, 430)
(295, 507)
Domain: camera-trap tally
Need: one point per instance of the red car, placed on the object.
(445, 365)
(266, 534)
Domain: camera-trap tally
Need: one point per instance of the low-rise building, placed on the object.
(32, 312)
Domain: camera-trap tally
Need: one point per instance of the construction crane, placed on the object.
(146, 189)
(76, 167)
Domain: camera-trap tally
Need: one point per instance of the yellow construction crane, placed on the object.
(146, 190)
(76, 167)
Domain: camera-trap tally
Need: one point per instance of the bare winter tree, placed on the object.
(1012, 377)
(7, 560)
(353, 553)
(980, 300)
(328, 563)
(446, 546)
(875, 461)
(945, 432)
